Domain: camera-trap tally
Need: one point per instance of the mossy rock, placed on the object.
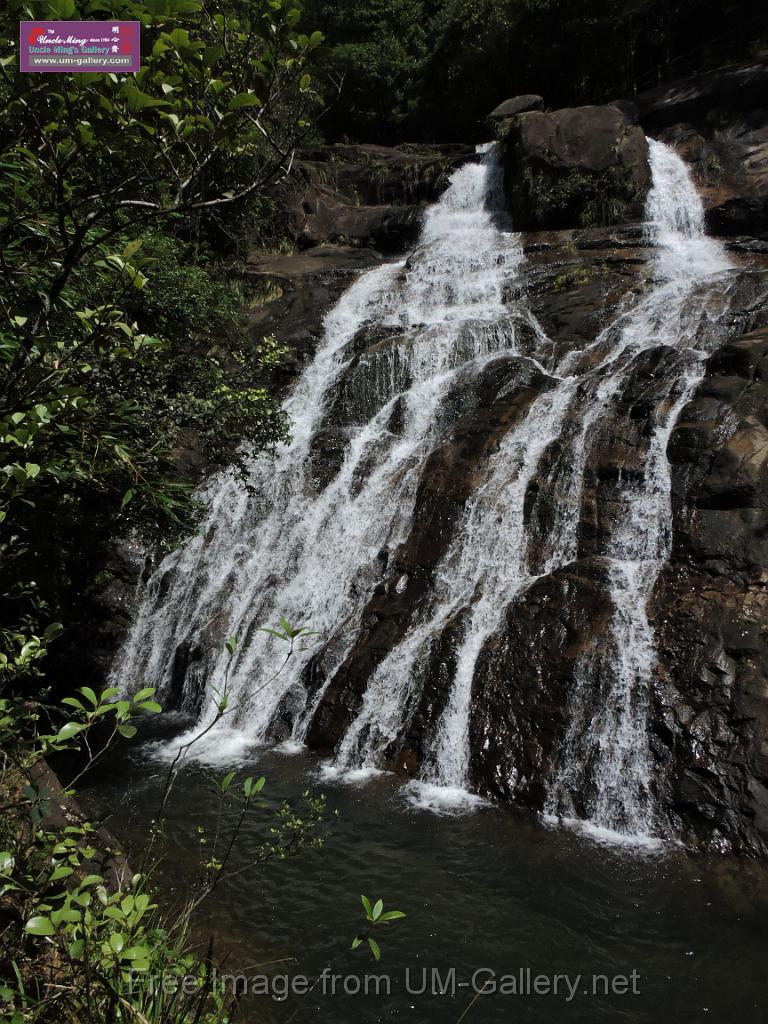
(580, 167)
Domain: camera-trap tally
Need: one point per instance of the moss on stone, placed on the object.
(550, 198)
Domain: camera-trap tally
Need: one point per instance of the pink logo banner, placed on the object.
(79, 46)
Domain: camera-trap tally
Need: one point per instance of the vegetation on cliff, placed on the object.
(433, 69)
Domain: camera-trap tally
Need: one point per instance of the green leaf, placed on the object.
(151, 706)
(128, 731)
(88, 693)
(132, 248)
(274, 632)
(148, 691)
(61, 9)
(61, 872)
(391, 915)
(40, 926)
(357, 941)
(367, 905)
(136, 953)
(379, 906)
(243, 99)
(73, 702)
(138, 100)
(90, 880)
(375, 949)
(68, 730)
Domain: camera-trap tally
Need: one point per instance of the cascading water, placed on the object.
(309, 553)
(307, 549)
(606, 759)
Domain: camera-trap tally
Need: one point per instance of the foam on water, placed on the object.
(440, 799)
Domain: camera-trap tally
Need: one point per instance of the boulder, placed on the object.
(520, 691)
(579, 166)
(517, 105)
(740, 215)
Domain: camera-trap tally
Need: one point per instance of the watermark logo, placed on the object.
(428, 982)
(79, 46)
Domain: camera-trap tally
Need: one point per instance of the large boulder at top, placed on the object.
(517, 105)
(581, 166)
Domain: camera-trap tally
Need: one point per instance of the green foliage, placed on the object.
(573, 277)
(556, 198)
(433, 69)
(89, 942)
(288, 633)
(377, 49)
(374, 915)
(125, 360)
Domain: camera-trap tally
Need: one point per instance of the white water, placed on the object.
(606, 759)
(311, 553)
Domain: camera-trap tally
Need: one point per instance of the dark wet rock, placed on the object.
(298, 290)
(572, 167)
(711, 606)
(494, 399)
(739, 216)
(107, 607)
(517, 105)
(327, 450)
(579, 280)
(366, 195)
(710, 696)
(523, 678)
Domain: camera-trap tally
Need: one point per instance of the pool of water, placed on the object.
(494, 903)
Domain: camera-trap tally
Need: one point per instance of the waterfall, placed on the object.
(606, 761)
(308, 545)
(289, 546)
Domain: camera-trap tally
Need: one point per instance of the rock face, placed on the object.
(711, 607)
(366, 195)
(517, 105)
(346, 209)
(488, 406)
(580, 166)
(710, 699)
(718, 122)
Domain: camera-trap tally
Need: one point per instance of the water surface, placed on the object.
(485, 890)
